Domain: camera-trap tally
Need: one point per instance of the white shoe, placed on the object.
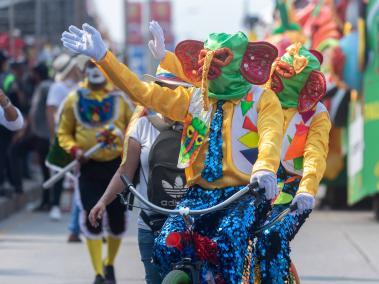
(55, 213)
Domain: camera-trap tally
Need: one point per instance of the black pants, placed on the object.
(93, 181)
(5, 142)
(19, 150)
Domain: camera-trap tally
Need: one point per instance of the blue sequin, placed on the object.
(213, 162)
(273, 245)
(229, 228)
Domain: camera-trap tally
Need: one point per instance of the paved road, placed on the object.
(333, 247)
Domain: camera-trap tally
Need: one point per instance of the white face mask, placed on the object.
(95, 76)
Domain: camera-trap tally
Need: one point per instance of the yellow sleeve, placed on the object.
(171, 103)
(67, 123)
(315, 152)
(270, 130)
(172, 64)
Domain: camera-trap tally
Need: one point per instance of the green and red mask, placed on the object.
(193, 136)
(297, 80)
(235, 63)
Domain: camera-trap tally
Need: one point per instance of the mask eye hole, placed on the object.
(223, 56)
(199, 140)
(190, 131)
(284, 69)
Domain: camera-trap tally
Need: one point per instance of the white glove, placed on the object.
(266, 180)
(304, 201)
(87, 41)
(157, 46)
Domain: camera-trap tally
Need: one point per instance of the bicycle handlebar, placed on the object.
(252, 188)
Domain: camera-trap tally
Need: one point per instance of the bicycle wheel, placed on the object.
(177, 277)
(294, 276)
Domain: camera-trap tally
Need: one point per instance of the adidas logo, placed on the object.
(175, 191)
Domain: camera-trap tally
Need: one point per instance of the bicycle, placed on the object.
(188, 270)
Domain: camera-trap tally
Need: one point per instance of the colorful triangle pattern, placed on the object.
(246, 106)
(250, 139)
(249, 125)
(249, 97)
(250, 154)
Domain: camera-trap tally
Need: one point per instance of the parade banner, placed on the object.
(134, 34)
(161, 12)
(365, 182)
(355, 152)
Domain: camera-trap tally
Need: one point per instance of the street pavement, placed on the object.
(333, 247)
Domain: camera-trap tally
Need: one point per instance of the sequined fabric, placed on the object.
(213, 162)
(272, 248)
(228, 228)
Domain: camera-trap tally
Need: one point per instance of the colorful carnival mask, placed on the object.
(231, 62)
(296, 78)
(193, 136)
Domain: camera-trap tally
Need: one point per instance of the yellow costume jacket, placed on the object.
(264, 110)
(316, 143)
(85, 113)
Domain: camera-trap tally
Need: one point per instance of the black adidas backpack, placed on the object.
(165, 181)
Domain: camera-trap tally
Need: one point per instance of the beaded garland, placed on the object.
(213, 161)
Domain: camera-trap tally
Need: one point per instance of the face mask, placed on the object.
(95, 76)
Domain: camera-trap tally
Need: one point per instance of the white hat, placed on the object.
(64, 63)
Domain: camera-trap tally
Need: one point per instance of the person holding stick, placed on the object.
(85, 113)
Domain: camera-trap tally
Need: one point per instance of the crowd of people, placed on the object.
(30, 99)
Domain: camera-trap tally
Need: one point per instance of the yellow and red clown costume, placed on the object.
(232, 129)
(300, 86)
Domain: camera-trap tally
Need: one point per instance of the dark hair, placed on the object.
(42, 70)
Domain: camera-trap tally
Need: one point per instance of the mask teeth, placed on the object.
(204, 79)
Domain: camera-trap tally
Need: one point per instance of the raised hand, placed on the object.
(157, 45)
(87, 41)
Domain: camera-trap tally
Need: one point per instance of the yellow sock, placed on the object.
(95, 248)
(113, 246)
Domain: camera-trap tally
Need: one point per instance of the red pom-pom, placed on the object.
(173, 240)
(205, 248)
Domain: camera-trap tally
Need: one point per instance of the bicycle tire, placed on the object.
(177, 277)
(294, 276)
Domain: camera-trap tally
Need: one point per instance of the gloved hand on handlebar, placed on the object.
(87, 41)
(304, 201)
(266, 180)
(157, 45)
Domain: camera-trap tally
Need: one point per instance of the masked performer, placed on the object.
(300, 86)
(232, 132)
(86, 112)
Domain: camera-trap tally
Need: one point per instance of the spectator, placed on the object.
(10, 116)
(36, 136)
(6, 135)
(69, 71)
(140, 137)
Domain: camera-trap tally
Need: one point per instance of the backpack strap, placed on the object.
(158, 123)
